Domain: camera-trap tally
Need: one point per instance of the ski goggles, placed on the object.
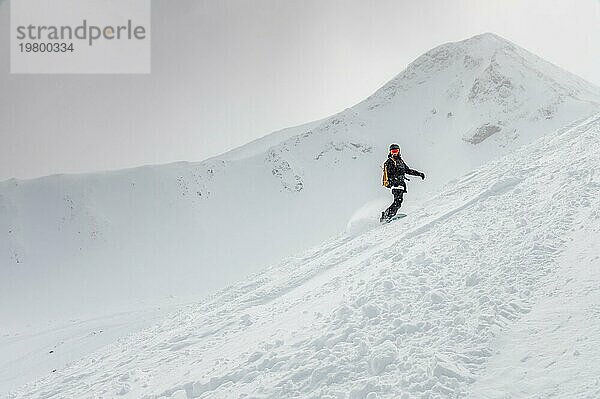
(395, 151)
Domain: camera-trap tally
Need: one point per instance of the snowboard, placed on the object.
(395, 217)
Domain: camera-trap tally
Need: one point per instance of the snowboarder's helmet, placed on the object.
(395, 149)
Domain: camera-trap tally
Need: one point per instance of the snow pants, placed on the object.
(398, 197)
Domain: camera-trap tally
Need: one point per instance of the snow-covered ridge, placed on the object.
(212, 222)
(410, 309)
(504, 83)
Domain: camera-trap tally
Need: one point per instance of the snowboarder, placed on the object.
(394, 170)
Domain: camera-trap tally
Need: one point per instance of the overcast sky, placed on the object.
(225, 72)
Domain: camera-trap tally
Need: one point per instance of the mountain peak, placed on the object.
(488, 38)
(496, 85)
(482, 47)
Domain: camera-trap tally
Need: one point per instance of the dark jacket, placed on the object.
(394, 170)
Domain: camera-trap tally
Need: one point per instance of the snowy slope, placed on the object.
(483, 287)
(77, 245)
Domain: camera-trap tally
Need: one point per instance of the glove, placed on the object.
(422, 176)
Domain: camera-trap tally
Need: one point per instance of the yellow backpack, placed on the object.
(386, 182)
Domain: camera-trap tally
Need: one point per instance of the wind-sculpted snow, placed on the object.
(406, 310)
